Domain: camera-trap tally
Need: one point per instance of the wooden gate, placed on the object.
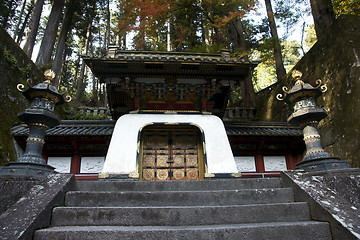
(171, 153)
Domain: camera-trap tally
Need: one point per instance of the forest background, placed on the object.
(56, 33)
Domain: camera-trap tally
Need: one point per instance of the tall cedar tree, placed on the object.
(48, 41)
(66, 26)
(33, 27)
(19, 37)
(280, 70)
(91, 13)
(108, 25)
(19, 19)
(238, 36)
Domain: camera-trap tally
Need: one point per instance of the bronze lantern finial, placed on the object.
(296, 74)
(49, 75)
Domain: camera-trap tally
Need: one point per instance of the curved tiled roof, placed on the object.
(176, 57)
(133, 55)
(106, 127)
(261, 129)
(73, 128)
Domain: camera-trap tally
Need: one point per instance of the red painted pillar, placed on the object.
(76, 159)
(259, 161)
(290, 161)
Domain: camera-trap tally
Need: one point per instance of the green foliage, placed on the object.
(291, 53)
(310, 37)
(236, 96)
(10, 59)
(291, 12)
(351, 7)
(265, 73)
(194, 25)
(13, 64)
(8, 12)
(4, 157)
(264, 76)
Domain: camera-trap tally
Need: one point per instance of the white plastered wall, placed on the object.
(122, 152)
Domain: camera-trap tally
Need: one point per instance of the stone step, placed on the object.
(178, 198)
(269, 231)
(213, 184)
(178, 216)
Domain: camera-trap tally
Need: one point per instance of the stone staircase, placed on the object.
(209, 209)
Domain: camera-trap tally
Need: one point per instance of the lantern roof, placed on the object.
(43, 90)
(301, 90)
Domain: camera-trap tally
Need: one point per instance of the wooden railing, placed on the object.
(239, 113)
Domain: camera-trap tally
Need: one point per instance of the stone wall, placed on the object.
(15, 68)
(332, 197)
(336, 61)
(29, 201)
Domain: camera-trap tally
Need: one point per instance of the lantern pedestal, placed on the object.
(28, 169)
(324, 164)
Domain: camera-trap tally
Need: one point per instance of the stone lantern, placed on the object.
(307, 115)
(39, 117)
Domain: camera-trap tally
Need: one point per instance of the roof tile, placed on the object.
(106, 127)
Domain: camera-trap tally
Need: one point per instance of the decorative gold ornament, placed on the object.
(236, 175)
(49, 75)
(103, 175)
(134, 175)
(297, 75)
(67, 98)
(323, 88)
(20, 87)
(209, 175)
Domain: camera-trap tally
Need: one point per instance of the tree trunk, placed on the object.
(20, 34)
(77, 67)
(168, 36)
(205, 28)
(48, 41)
(107, 34)
(237, 35)
(58, 60)
(33, 27)
(105, 95)
(121, 37)
(238, 39)
(280, 70)
(80, 86)
(101, 40)
(249, 92)
(323, 14)
(20, 19)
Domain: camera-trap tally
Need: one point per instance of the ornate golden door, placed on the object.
(171, 153)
